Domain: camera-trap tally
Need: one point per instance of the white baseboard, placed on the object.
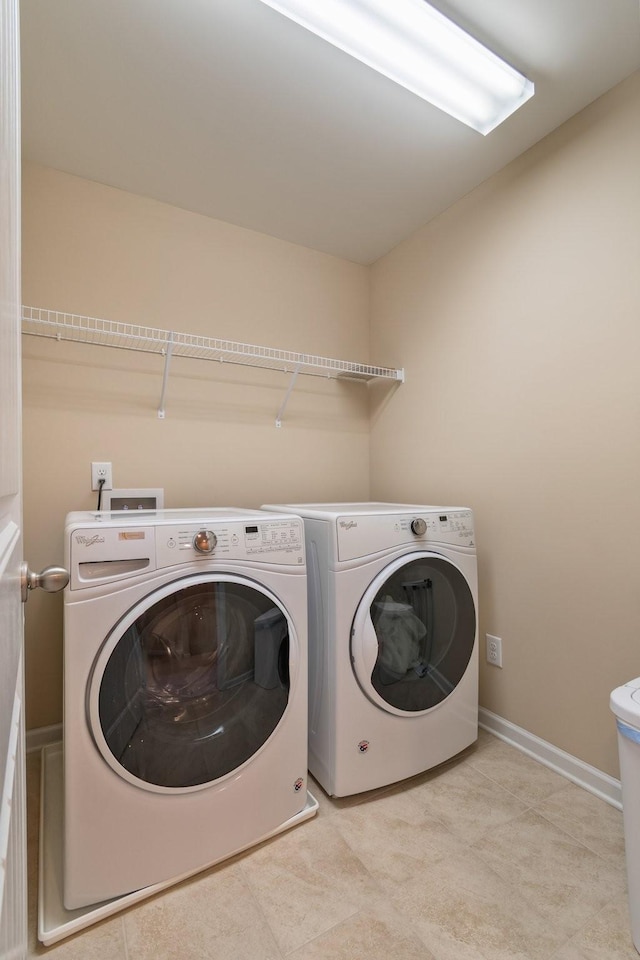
(41, 736)
(593, 780)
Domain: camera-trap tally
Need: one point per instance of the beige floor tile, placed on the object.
(587, 818)
(307, 882)
(467, 912)
(215, 916)
(606, 937)
(484, 738)
(527, 779)
(465, 801)
(104, 941)
(561, 878)
(395, 841)
(402, 799)
(379, 935)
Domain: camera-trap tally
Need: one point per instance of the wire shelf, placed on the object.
(53, 324)
(127, 336)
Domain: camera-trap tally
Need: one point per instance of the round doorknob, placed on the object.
(419, 527)
(51, 579)
(205, 541)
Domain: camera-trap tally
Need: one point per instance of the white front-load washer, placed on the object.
(393, 641)
(185, 692)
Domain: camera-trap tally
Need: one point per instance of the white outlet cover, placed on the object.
(494, 650)
(101, 469)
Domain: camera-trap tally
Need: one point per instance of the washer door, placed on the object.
(413, 634)
(192, 682)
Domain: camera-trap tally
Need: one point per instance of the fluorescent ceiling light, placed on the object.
(418, 47)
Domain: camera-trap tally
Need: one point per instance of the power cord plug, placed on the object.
(101, 483)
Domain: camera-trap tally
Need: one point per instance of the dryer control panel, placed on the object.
(362, 536)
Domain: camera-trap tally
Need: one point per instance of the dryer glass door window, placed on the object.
(195, 684)
(414, 633)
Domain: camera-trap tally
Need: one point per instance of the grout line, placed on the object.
(244, 873)
(124, 936)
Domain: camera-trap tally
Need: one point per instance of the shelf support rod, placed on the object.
(284, 403)
(165, 375)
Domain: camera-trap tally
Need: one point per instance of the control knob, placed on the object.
(419, 527)
(205, 541)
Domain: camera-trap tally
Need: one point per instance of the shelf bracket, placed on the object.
(165, 375)
(294, 377)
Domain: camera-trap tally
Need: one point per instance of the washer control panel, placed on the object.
(270, 541)
(364, 535)
(101, 552)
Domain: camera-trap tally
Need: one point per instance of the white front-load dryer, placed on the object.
(185, 692)
(393, 640)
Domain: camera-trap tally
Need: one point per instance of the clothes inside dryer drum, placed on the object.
(196, 685)
(424, 619)
(399, 632)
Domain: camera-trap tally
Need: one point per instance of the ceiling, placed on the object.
(228, 109)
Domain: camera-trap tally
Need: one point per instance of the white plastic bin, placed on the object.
(625, 704)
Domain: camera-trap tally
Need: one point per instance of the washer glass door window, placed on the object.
(192, 683)
(413, 634)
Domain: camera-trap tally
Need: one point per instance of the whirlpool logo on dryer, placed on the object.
(348, 524)
(88, 541)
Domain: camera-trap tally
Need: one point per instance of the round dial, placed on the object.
(205, 541)
(419, 527)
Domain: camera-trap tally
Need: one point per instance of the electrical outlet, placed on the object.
(494, 650)
(101, 471)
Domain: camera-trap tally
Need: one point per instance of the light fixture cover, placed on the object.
(418, 47)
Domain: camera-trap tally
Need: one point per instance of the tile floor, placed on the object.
(491, 857)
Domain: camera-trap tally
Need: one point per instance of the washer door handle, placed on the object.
(52, 579)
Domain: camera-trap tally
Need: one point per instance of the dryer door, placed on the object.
(192, 682)
(413, 634)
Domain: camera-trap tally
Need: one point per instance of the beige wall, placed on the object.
(100, 252)
(517, 316)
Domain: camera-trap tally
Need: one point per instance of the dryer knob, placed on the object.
(205, 541)
(419, 527)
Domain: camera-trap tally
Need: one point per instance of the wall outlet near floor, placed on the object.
(101, 471)
(494, 650)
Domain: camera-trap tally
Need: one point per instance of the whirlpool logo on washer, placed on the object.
(348, 524)
(88, 541)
